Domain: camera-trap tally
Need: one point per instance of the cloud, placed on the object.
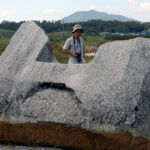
(133, 3)
(6, 14)
(138, 10)
(92, 7)
(145, 6)
(49, 11)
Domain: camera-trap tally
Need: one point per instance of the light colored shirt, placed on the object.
(76, 47)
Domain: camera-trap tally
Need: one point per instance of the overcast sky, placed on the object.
(18, 10)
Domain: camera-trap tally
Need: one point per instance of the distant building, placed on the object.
(104, 33)
(148, 30)
(116, 33)
(92, 33)
(145, 32)
(122, 34)
(132, 33)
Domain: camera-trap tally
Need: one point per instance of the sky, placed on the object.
(25, 10)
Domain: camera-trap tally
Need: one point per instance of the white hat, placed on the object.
(77, 27)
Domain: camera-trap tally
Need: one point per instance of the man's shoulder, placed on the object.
(70, 39)
(81, 38)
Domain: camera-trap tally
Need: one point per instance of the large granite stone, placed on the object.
(111, 93)
(4, 147)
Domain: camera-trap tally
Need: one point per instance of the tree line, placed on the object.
(91, 26)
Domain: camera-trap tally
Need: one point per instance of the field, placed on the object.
(3, 44)
(6, 31)
(58, 38)
(92, 43)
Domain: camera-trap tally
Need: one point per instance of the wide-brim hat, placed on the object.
(77, 27)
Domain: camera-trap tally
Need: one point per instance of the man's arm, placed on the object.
(69, 53)
(84, 49)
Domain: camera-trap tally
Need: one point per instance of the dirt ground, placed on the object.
(68, 137)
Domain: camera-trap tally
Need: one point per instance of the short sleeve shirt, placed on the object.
(76, 46)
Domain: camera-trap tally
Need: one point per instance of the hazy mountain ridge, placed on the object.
(82, 16)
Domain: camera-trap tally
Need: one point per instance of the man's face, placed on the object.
(77, 33)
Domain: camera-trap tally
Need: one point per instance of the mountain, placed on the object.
(83, 16)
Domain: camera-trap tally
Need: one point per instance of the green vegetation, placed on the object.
(124, 37)
(92, 27)
(89, 58)
(3, 44)
(4, 41)
(4, 33)
(95, 41)
(92, 43)
(10, 25)
(5, 30)
(59, 34)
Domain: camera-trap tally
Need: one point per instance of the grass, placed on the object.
(3, 44)
(92, 43)
(89, 59)
(5, 30)
(56, 45)
(125, 37)
(59, 34)
(61, 57)
(6, 33)
(68, 137)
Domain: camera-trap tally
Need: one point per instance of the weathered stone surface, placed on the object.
(2, 147)
(111, 92)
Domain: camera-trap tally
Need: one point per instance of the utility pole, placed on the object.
(63, 38)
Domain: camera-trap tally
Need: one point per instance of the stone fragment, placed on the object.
(111, 93)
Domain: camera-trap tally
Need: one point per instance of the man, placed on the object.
(75, 47)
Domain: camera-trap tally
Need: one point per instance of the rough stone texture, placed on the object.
(111, 93)
(2, 147)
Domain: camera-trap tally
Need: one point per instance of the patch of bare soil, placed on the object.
(68, 137)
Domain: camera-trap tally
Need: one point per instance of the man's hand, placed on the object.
(74, 55)
(69, 53)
